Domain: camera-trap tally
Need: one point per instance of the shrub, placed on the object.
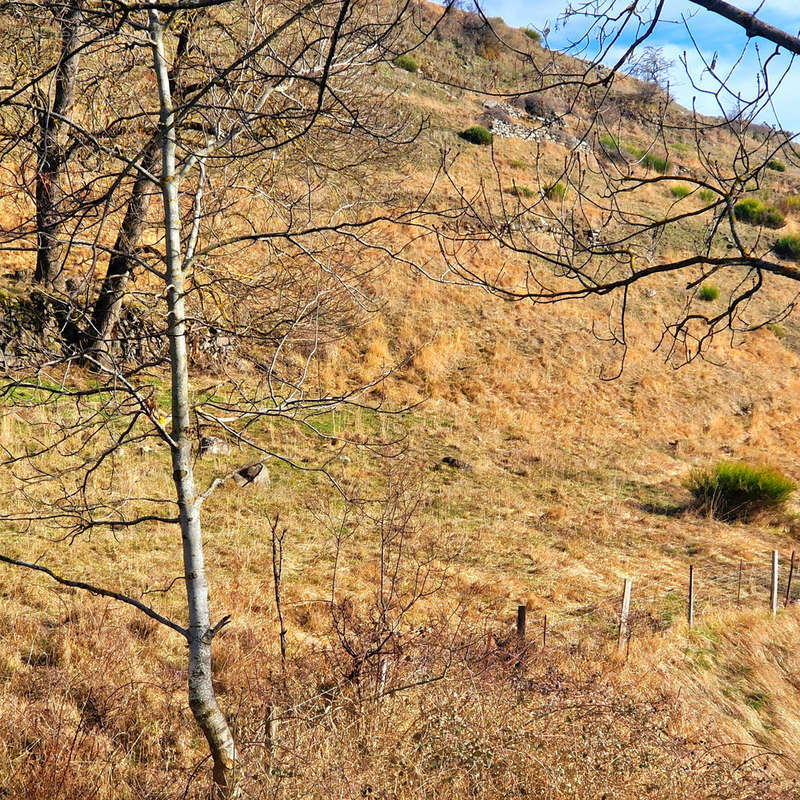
(555, 191)
(753, 211)
(734, 490)
(776, 164)
(747, 210)
(772, 218)
(533, 35)
(406, 62)
(477, 134)
(680, 191)
(706, 195)
(788, 246)
(523, 191)
(708, 292)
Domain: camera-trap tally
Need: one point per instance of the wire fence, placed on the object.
(655, 605)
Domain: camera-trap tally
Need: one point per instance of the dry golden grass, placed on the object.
(576, 482)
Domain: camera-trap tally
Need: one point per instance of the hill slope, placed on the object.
(518, 476)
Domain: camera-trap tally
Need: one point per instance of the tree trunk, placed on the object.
(202, 701)
(50, 159)
(108, 307)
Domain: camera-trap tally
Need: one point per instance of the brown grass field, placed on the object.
(574, 483)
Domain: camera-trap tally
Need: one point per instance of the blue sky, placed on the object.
(712, 34)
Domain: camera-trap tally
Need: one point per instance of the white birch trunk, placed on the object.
(201, 693)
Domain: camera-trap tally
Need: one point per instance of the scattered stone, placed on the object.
(213, 446)
(251, 474)
(457, 463)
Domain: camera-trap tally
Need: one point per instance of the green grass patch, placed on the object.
(734, 490)
(555, 191)
(680, 191)
(708, 292)
(755, 212)
(756, 700)
(609, 143)
(706, 195)
(523, 191)
(776, 164)
(517, 163)
(789, 204)
(407, 62)
(533, 35)
(650, 160)
(788, 246)
(778, 331)
(477, 134)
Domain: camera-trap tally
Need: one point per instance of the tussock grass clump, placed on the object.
(680, 191)
(533, 35)
(608, 142)
(776, 164)
(650, 160)
(407, 62)
(708, 292)
(477, 134)
(788, 246)
(754, 212)
(706, 195)
(789, 204)
(555, 191)
(523, 191)
(734, 490)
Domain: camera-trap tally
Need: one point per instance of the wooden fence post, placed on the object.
(739, 586)
(691, 596)
(789, 582)
(773, 593)
(521, 620)
(623, 617)
(269, 731)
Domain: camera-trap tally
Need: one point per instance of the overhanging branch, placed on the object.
(96, 590)
(752, 25)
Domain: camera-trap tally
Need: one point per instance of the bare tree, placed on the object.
(255, 127)
(653, 68)
(597, 236)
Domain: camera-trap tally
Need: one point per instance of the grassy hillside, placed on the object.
(517, 475)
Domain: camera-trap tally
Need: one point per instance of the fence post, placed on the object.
(269, 731)
(739, 586)
(773, 593)
(521, 620)
(789, 582)
(623, 617)
(691, 596)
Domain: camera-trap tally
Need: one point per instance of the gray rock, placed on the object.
(213, 446)
(251, 475)
(457, 463)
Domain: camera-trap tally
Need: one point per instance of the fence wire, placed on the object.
(656, 605)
